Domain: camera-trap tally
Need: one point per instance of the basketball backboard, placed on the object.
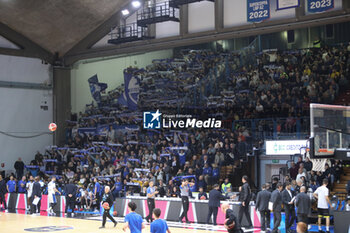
(330, 130)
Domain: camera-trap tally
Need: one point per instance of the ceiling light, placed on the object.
(136, 4)
(125, 12)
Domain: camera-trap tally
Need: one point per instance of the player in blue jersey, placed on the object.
(133, 221)
(159, 225)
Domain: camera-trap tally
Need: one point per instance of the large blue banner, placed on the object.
(132, 88)
(258, 10)
(96, 88)
(315, 6)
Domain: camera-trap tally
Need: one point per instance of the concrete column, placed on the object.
(61, 102)
(300, 11)
(219, 15)
(184, 19)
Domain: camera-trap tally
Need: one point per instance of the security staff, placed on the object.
(185, 192)
(71, 192)
(262, 205)
(244, 198)
(288, 202)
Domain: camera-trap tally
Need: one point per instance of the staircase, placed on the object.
(341, 187)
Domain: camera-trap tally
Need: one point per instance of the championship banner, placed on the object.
(258, 10)
(316, 6)
(286, 4)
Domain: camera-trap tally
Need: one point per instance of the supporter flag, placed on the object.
(132, 87)
(122, 99)
(96, 88)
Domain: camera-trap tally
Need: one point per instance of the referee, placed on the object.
(185, 192)
(151, 194)
(71, 191)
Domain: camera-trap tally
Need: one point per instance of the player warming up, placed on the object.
(159, 225)
(231, 222)
(52, 190)
(133, 221)
(107, 201)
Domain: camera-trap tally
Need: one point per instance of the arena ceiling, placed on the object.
(56, 25)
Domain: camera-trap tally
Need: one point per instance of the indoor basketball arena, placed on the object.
(175, 116)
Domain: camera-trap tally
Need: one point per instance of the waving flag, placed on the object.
(132, 88)
(96, 88)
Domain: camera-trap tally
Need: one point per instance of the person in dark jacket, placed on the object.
(262, 205)
(19, 166)
(2, 192)
(71, 191)
(276, 199)
(202, 195)
(36, 194)
(244, 198)
(214, 203)
(232, 220)
(303, 204)
(288, 202)
(107, 198)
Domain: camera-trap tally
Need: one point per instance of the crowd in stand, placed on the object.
(127, 158)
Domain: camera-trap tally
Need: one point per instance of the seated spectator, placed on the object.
(301, 173)
(202, 195)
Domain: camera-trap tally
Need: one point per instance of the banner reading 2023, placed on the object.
(258, 10)
(315, 6)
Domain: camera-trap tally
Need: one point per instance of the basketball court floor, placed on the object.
(81, 223)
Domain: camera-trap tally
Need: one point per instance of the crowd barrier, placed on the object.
(19, 201)
(171, 209)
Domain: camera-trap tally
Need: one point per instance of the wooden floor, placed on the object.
(16, 223)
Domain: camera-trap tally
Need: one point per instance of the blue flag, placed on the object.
(132, 88)
(96, 88)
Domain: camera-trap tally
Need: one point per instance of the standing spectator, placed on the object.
(288, 202)
(2, 192)
(19, 166)
(11, 185)
(293, 171)
(22, 185)
(262, 205)
(244, 198)
(276, 199)
(303, 204)
(323, 201)
(308, 164)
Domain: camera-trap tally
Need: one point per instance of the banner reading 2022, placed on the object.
(258, 10)
(315, 6)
